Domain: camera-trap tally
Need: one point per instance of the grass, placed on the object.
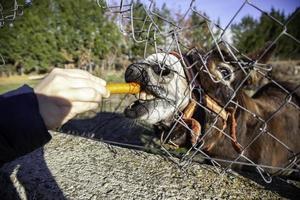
(13, 82)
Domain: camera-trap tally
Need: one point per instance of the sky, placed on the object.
(226, 9)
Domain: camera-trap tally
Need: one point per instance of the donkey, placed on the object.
(221, 119)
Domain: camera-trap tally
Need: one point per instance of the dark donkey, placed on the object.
(262, 129)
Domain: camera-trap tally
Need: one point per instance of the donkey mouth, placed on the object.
(140, 108)
(149, 99)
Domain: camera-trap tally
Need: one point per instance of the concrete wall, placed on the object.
(73, 167)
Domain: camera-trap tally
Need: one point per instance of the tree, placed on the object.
(54, 32)
(147, 31)
(200, 33)
(250, 34)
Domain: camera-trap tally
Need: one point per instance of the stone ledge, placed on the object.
(72, 167)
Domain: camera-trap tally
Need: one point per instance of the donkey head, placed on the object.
(222, 78)
(222, 75)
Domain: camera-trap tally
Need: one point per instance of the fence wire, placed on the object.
(147, 31)
(8, 14)
(157, 33)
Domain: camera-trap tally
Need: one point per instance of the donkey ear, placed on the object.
(263, 55)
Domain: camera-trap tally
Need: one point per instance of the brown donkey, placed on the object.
(226, 123)
(263, 129)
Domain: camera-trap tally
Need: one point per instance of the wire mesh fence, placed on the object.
(7, 16)
(196, 89)
(9, 11)
(225, 127)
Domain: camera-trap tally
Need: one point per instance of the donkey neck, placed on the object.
(248, 103)
(248, 109)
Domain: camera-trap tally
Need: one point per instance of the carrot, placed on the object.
(123, 88)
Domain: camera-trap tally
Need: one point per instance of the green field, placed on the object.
(13, 82)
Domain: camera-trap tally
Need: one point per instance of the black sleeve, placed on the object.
(22, 128)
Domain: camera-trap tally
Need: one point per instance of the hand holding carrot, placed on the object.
(64, 93)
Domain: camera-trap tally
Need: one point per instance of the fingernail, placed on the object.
(107, 94)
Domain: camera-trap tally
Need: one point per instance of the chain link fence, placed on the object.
(146, 29)
(158, 33)
(8, 14)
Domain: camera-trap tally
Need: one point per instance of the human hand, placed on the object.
(65, 93)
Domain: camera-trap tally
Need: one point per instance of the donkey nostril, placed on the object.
(129, 75)
(136, 73)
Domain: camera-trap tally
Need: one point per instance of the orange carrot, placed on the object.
(123, 88)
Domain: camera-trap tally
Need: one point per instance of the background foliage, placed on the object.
(251, 34)
(55, 33)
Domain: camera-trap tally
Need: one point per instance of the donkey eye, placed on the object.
(226, 73)
(161, 70)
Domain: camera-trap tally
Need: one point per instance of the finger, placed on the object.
(86, 94)
(78, 73)
(71, 72)
(97, 79)
(83, 82)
